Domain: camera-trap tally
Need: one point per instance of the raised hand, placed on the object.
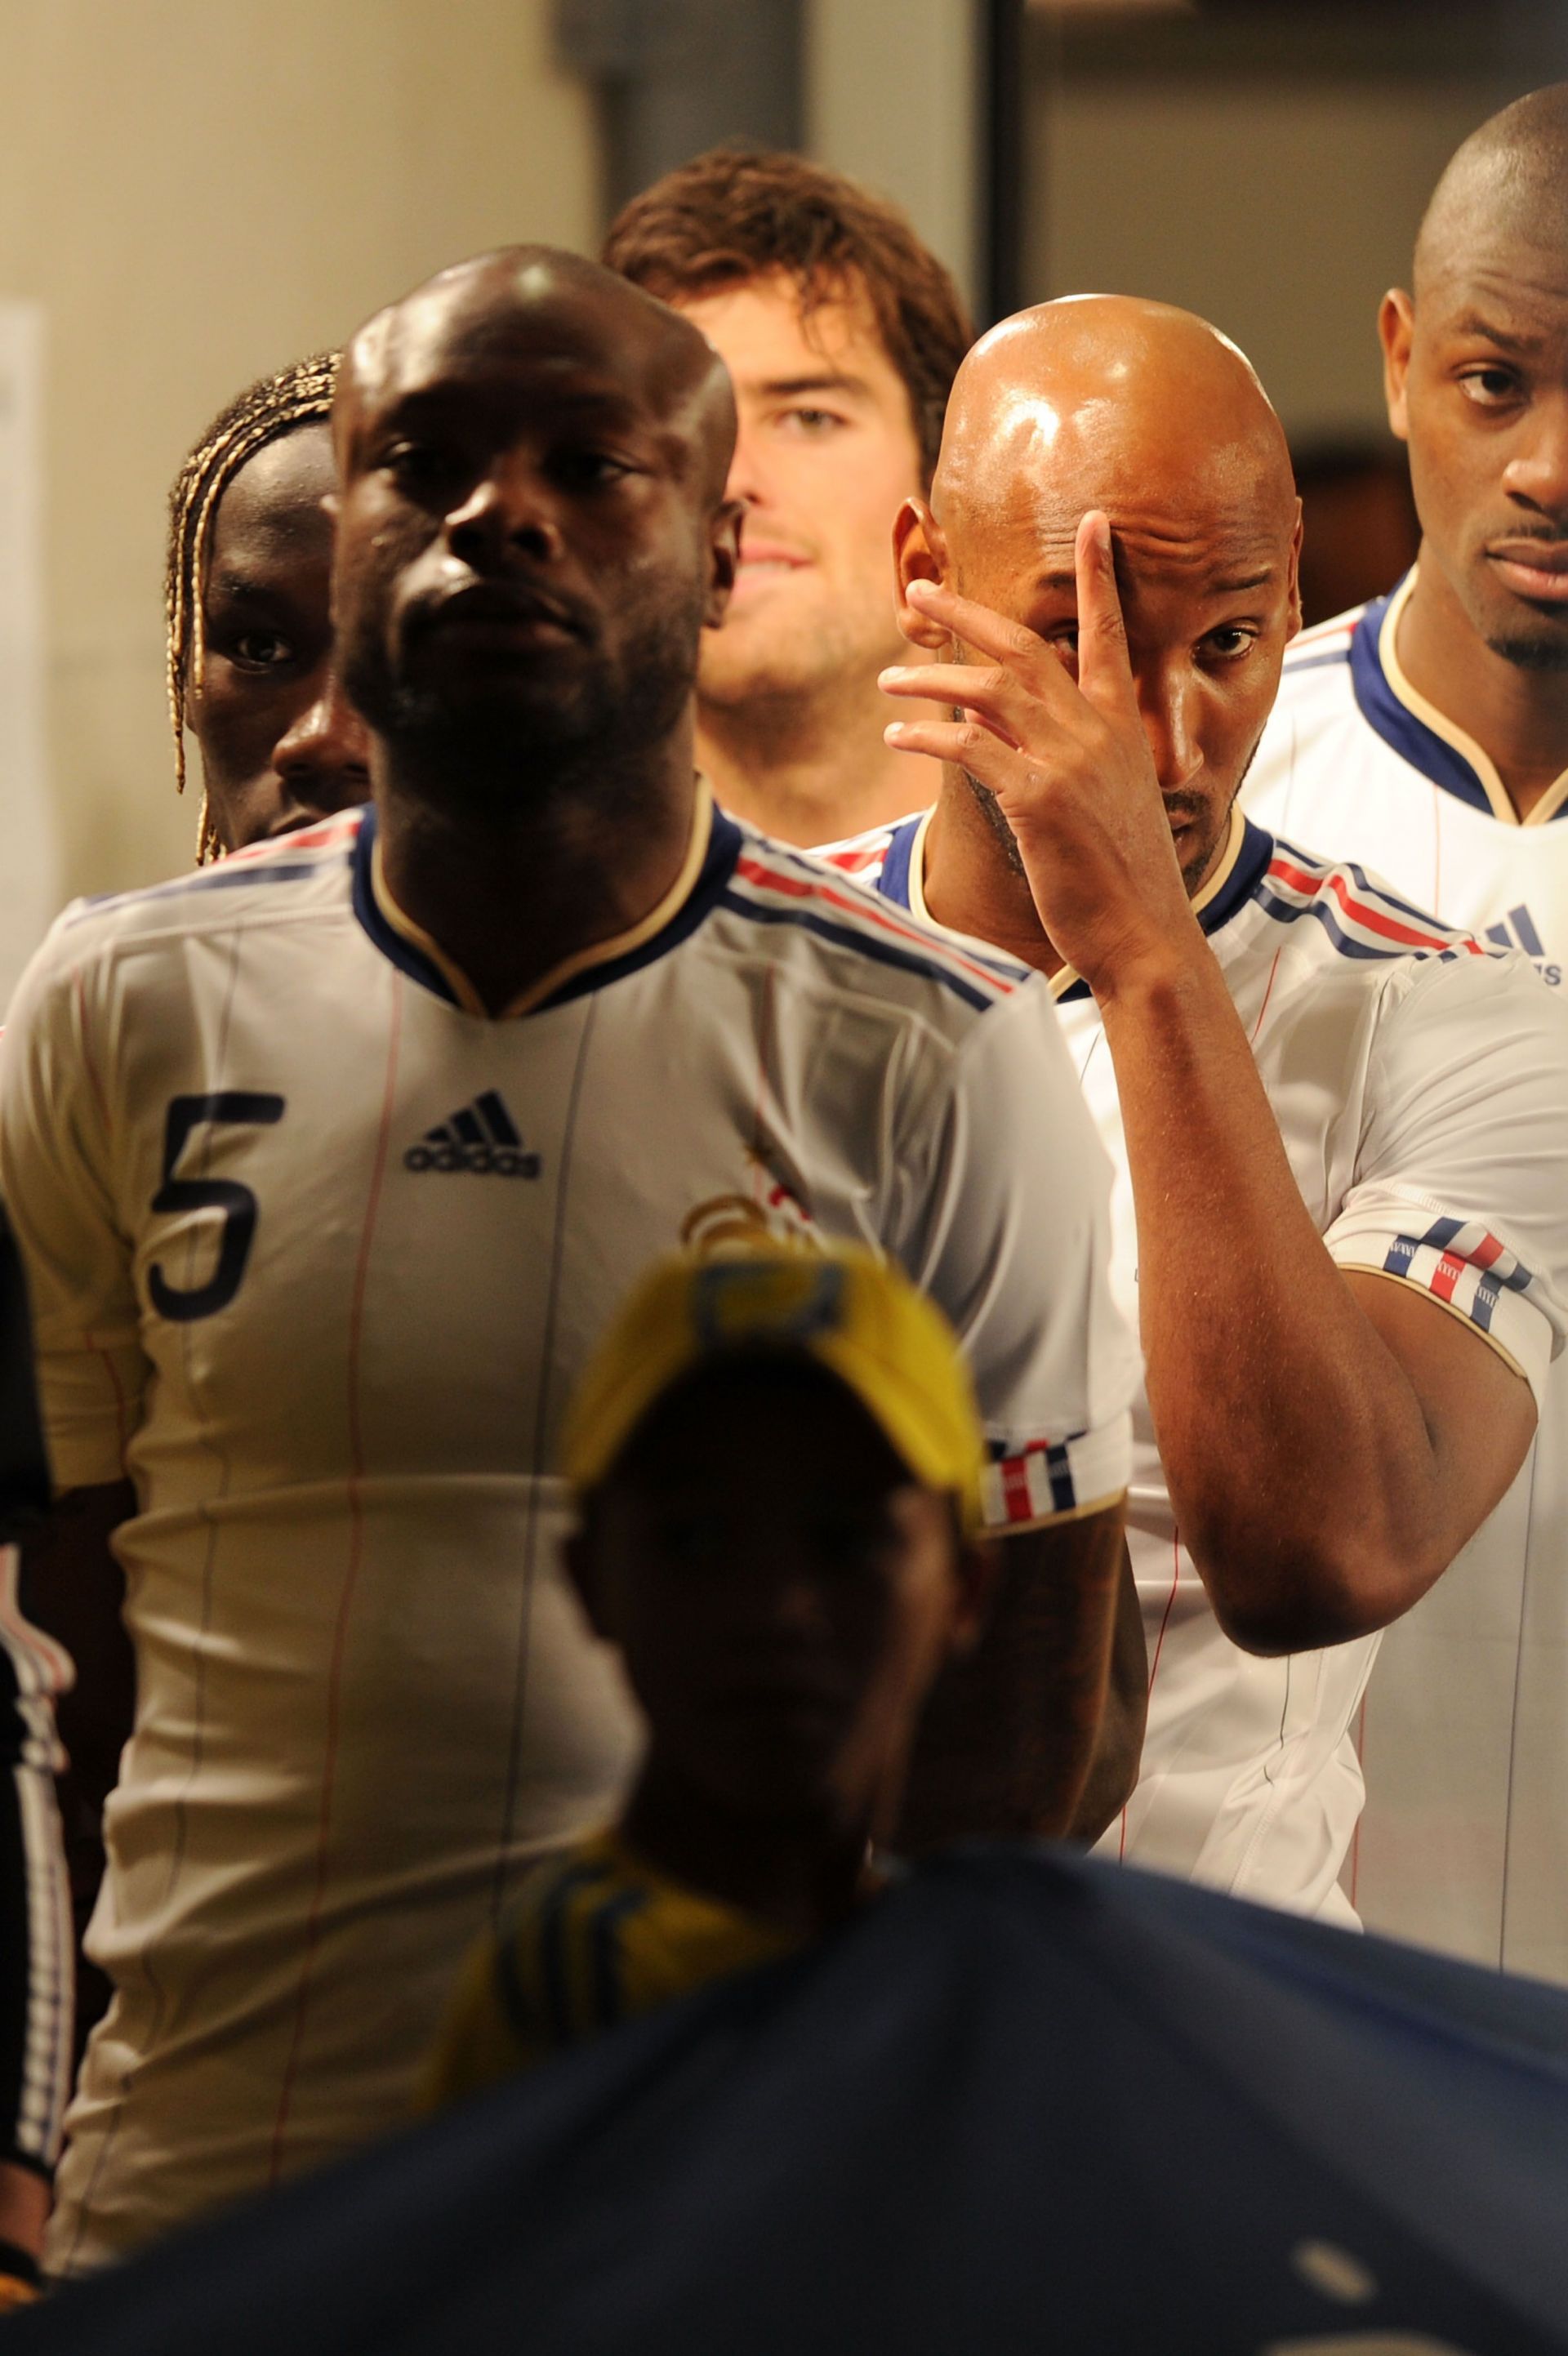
(1069, 765)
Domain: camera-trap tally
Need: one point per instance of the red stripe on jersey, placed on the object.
(796, 887)
(1016, 1501)
(1446, 1276)
(1488, 1250)
(302, 838)
(850, 863)
(1362, 912)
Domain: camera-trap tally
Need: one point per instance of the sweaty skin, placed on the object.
(1108, 567)
(1476, 370)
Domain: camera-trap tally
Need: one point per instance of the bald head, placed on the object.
(543, 306)
(1149, 415)
(1104, 401)
(1507, 184)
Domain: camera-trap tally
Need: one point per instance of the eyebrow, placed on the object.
(783, 388)
(1473, 324)
(1065, 577)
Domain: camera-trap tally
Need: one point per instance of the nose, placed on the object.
(510, 508)
(323, 755)
(748, 473)
(1537, 472)
(1168, 707)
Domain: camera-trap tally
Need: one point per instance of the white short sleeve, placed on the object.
(1462, 1177)
(1004, 1219)
(55, 1181)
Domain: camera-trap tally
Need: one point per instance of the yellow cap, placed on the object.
(852, 1312)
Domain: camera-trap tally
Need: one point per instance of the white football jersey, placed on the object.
(317, 1250)
(1464, 1845)
(1422, 1090)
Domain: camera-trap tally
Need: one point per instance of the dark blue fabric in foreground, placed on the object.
(1029, 2104)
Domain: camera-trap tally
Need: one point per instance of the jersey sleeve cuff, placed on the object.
(1464, 1269)
(1045, 1481)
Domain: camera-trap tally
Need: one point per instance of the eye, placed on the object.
(1491, 386)
(418, 468)
(814, 424)
(589, 470)
(261, 650)
(1230, 641)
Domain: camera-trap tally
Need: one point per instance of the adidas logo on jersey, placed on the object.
(482, 1137)
(1517, 931)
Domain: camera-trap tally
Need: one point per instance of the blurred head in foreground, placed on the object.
(778, 1458)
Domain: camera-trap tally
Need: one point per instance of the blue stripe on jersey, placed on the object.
(1431, 754)
(1374, 888)
(845, 936)
(609, 1988)
(405, 954)
(893, 883)
(1285, 912)
(221, 878)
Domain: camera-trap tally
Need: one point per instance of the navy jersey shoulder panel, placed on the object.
(1399, 727)
(893, 883)
(406, 955)
(724, 840)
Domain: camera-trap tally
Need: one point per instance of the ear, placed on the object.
(581, 1558)
(919, 553)
(724, 557)
(976, 1571)
(1396, 331)
(1292, 617)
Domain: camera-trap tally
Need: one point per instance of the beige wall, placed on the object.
(1281, 210)
(197, 193)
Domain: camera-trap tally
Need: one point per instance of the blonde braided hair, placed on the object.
(273, 406)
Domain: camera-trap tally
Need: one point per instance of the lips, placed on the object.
(1536, 569)
(497, 609)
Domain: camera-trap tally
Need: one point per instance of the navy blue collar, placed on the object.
(1250, 865)
(1395, 723)
(718, 865)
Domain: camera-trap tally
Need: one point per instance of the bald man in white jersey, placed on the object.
(1427, 735)
(330, 1165)
(1339, 1127)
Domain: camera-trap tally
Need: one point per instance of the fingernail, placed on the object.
(894, 728)
(894, 671)
(919, 589)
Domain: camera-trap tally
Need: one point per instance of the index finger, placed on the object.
(1104, 665)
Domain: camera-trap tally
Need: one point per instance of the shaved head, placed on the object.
(1152, 416)
(1509, 181)
(578, 308)
(532, 524)
(1476, 373)
(1081, 402)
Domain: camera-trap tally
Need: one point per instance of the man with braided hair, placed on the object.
(252, 676)
(251, 667)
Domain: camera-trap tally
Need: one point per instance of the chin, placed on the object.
(1543, 649)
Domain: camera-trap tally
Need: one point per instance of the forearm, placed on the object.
(1010, 1734)
(1302, 1472)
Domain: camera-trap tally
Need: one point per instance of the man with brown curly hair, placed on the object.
(843, 334)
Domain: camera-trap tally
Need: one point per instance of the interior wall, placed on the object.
(198, 194)
(1281, 207)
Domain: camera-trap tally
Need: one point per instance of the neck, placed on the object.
(508, 888)
(973, 886)
(811, 769)
(802, 1877)
(1519, 717)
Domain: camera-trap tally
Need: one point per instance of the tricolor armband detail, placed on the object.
(1053, 1480)
(1461, 1263)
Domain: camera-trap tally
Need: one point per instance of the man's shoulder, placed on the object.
(1348, 919)
(826, 923)
(1352, 933)
(303, 871)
